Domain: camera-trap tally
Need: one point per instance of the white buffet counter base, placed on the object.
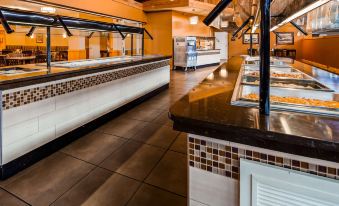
(29, 126)
(208, 57)
(227, 173)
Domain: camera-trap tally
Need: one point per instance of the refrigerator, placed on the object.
(185, 52)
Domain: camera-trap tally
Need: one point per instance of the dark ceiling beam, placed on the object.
(31, 31)
(121, 34)
(299, 28)
(277, 34)
(150, 36)
(216, 11)
(247, 30)
(90, 35)
(68, 32)
(244, 32)
(5, 24)
(242, 26)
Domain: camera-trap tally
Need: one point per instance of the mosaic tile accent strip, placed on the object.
(27, 96)
(225, 160)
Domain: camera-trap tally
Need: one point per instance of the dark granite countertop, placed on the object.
(206, 111)
(40, 73)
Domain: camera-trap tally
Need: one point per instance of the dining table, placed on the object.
(22, 59)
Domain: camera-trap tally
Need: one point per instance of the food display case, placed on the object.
(291, 90)
(92, 62)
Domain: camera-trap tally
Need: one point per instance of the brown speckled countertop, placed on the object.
(206, 111)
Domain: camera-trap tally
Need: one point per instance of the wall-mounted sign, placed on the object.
(246, 38)
(39, 38)
(285, 38)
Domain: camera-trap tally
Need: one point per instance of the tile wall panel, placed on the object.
(19, 148)
(224, 159)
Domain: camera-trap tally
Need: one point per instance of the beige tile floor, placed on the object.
(135, 159)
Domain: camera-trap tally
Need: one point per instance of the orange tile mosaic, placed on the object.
(225, 160)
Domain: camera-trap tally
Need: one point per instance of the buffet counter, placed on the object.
(208, 57)
(235, 153)
(43, 109)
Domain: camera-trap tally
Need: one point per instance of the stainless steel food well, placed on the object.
(289, 83)
(323, 93)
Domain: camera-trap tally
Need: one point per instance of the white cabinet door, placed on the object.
(265, 185)
(221, 42)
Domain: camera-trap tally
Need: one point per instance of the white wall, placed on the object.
(221, 42)
(94, 47)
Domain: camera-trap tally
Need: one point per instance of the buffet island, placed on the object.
(238, 157)
(44, 109)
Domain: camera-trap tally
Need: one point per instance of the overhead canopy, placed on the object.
(21, 17)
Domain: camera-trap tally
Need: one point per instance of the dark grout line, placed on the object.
(126, 140)
(17, 197)
(177, 152)
(163, 189)
(161, 158)
(73, 185)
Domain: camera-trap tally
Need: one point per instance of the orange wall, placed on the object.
(159, 24)
(297, 40)
(164, 25)
(237, 48)
(323, 50)
(182, 27)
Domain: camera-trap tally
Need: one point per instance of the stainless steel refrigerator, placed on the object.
(185, 52)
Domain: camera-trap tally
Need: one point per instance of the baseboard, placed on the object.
(198, 67)
(208, 65)
(20, 163)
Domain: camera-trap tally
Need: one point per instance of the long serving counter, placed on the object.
(43, 109)
(235, 154)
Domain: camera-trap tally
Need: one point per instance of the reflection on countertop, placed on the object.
(329, 79)
(211, 114)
